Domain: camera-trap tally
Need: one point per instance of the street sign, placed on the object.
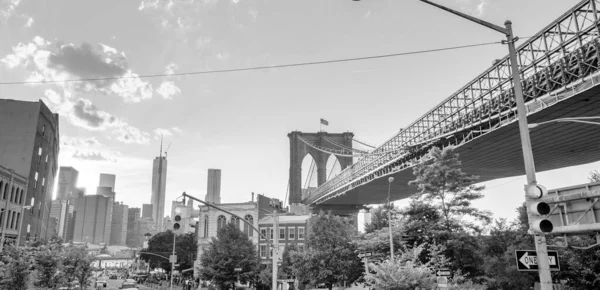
(173, 259)
(527, 260)
(238, 269)
(443, 272)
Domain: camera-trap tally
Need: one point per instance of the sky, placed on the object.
(238, 122)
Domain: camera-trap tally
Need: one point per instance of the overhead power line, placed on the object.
(253, 68)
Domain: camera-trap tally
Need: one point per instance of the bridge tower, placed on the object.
(299, 149)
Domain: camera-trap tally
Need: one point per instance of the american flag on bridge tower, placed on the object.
(324, 122)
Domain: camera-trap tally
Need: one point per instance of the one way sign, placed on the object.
(527, 260)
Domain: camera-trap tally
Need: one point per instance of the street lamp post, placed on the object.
(540, 240)
(390, 180)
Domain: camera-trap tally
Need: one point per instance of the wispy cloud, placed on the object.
(104, 64)
(90, 155)
(168, 90)
(83, 113)
(160, 132)
(78, 142)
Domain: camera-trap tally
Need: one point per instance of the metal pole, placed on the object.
(22, 217)
(540, 240)
(173, 261)
(391, 179)
(4, 214)
(275, 255)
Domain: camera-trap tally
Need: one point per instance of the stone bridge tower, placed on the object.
(299, 149)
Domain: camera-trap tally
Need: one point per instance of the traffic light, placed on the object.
(539, 209)
(176, 224)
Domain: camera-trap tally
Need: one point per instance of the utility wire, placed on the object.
(252, 68)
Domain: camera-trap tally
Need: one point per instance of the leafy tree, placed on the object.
(404, 273)
(231, 249)
(14, 269)
(443, 183)
(48, 262)
(330, 257)
(423, 223)
(378, 241)
(379, 217)
(162, 244)
(594, 176)
(77, 265)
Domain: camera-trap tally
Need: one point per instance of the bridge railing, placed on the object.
(559, 54)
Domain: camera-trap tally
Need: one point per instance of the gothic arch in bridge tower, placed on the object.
(299, 149)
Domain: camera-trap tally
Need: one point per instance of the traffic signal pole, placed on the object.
(275, 256)
(173, 260)
(540, 240)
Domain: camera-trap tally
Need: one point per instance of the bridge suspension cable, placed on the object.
(344, 146)
(327, 150)
(309, 174)
(363, 143)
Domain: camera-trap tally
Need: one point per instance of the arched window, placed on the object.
(235, 221)
(206, 226)
(247, 229)
(2, 189)
(21, 197)
(221, 222)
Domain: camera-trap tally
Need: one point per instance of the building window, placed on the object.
(236, 222)
(301, 233)
(263, 251)
(40, 154)
(43, 181)
(221, 222)
(271, 231)
(2, 192)
(21, 197)
(43, 130)
(263, 233)
(282, 234)
(292, 233)
(46, 158)
(32, 205)
(13, 224)
(18, 218)
(35, 177)
(206, 226)
(247, 229)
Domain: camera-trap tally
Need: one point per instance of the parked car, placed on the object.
(129, 286)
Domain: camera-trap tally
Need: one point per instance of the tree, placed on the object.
(48, 262)
(594, 176)
(379, 217)
(162, 244)
(443, 183)
(77, 265)
(229, 250)
(378, 241)
(330, 257)
(404, 273)
(15, 265)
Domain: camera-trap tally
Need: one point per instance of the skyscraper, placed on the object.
(118, 228)
(29, 144)
(92, 222)
(147, 210)
(67, 182)
(159, 186)
(213, 186)
(133, 216)
(107, 180)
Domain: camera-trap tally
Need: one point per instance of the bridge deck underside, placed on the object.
(498, 154)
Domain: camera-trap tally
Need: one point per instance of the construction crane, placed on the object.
(166, 151)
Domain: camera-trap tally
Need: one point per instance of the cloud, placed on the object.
(78, 142)
(8, 7)
(168, 89)
(83, 113)
(477, 7)
(93, 156)
(158, 132)
(170, 69)
(29, 22)
(176, 129)
(100, 62)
